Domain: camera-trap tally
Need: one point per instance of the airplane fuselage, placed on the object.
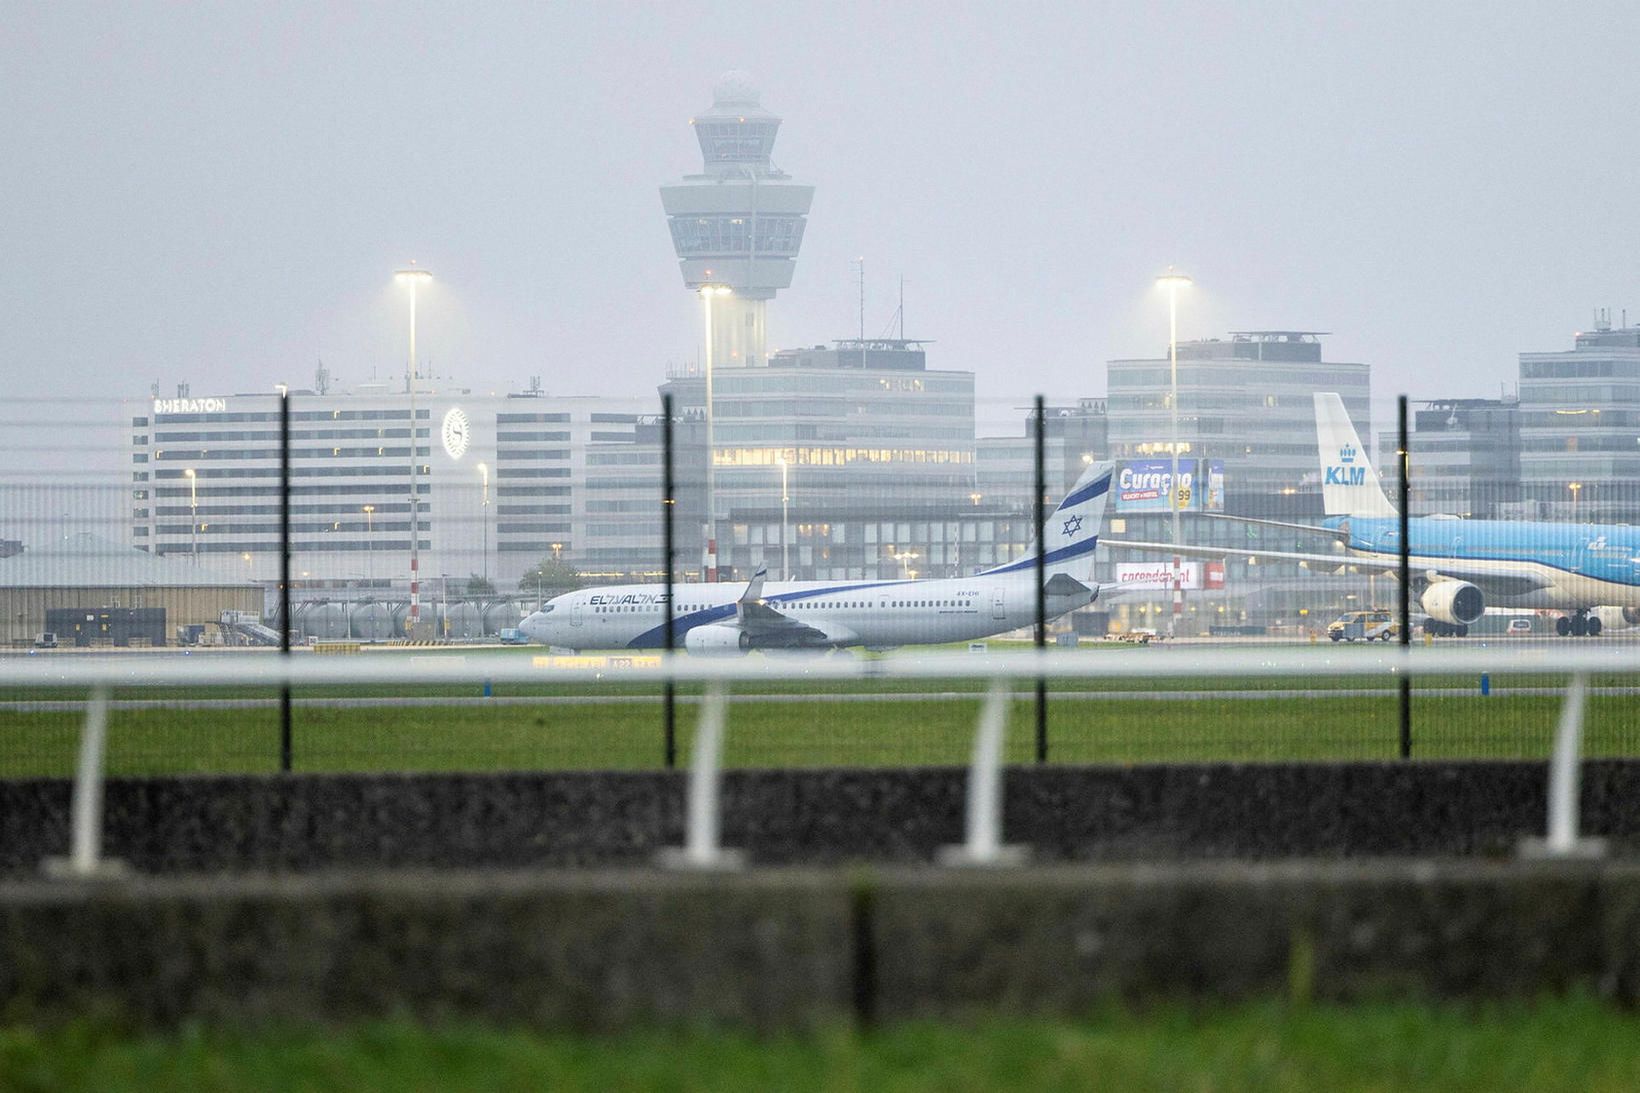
(870, 613)
(1578, 565)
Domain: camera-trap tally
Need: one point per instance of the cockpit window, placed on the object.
(546, 609)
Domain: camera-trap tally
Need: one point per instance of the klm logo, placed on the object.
(1345, 472)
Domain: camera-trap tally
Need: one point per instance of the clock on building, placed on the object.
(456, 432)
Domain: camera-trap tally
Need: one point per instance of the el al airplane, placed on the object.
(763, 614)
(1458, 566)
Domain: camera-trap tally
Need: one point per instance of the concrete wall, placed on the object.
(783, 949)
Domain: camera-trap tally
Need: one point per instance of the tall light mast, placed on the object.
(413, 277)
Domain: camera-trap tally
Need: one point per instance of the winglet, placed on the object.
(753, 594)
(754, 587)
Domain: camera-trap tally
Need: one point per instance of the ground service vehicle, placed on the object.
(1364, 626)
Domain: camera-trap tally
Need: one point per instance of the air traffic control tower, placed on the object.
(736, 226)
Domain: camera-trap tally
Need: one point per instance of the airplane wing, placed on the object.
(769, 627)
(1340, 534)
(1497, 581)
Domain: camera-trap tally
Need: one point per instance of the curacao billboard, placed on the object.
(1142, 485)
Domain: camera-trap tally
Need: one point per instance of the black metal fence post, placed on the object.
(1405, 459)
(284, 573)
(668, 509)
(1041, 580)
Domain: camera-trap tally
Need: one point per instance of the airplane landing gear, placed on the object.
(1578, 625)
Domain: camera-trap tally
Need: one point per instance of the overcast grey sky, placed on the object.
(218, 193)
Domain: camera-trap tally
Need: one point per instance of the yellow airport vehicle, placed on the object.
(1364, 626)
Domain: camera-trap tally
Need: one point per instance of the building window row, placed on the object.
(273, 434)
(532, 472)
(532, 510)
(540, 436)
(296, 472)
(532, 491)
(835, 457)
(295, 415)
(1578, 396)
(1578, 369)
(780, 235)
(185, 455)
(514, 528)
(515, 454)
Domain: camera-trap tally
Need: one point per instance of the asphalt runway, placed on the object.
(1497, 691)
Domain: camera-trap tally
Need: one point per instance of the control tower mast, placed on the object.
(736, 226)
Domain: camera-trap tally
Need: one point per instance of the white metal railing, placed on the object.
(1566, 783)
(702, 846)
(85, 860)
(984, 846)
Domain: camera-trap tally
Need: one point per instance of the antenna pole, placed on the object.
(861, 262)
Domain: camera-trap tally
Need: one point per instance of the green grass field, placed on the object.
(1574, 1044)
(1087, 723)
(1082, 728)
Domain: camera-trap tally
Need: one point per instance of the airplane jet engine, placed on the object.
(716, 639)
(1456, 603)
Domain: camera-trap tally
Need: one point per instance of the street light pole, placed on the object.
(1173, 281)
(706, 294)
(413, 277)
(785, 520)
(556, 547)
(1575, 487)
(193, 513)
(370, 545)
(484, 516)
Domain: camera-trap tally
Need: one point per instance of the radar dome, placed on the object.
(735, 88)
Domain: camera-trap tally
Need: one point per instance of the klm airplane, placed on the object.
(764, 614)
(1459, 567)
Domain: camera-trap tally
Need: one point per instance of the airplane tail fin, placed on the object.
(1072, 529)
(1349, 484)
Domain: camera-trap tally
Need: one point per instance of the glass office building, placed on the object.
(1580, 427)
